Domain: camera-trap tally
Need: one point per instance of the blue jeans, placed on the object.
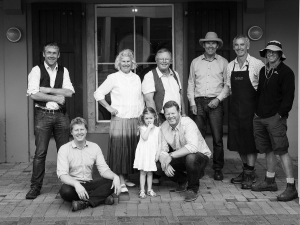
(47, 123)
(98, 190)
(193, 164)
(215, 118)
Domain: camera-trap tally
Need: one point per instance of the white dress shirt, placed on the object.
(34, 78)
(254, 67)
(170, 85)
(126, 94)
(78, 163)
(207, 78)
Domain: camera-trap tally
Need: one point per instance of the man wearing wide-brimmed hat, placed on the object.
(275, 96)
(206, 92)
(242, 79)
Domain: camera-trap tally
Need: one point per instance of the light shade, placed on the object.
(13, 34)
(255, 33)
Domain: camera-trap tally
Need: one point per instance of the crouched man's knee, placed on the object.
(67, 192)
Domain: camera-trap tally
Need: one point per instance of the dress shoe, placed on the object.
(218, 175)
(33, 193)
(289, 194)
(78, 205)
(268, 184)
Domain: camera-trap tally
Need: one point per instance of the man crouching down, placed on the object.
(75, 162)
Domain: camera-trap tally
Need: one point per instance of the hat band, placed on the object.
(274, 43)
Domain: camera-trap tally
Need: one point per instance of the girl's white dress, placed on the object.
(146, 150)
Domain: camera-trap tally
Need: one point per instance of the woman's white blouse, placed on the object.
(126, 94)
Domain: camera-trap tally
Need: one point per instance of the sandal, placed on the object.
(151, 193)
(123, 188)
(142, 194)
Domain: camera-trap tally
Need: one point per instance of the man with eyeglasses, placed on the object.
(161, 85)
(206, 93)
(275, 96)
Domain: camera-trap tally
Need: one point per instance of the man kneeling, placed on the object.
(75, 162)
(186, 164)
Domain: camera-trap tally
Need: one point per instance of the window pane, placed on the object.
(114, 32)
(103, 72)
(143, 69)
(153, 31)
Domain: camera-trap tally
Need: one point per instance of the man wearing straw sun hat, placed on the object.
(275, 96)
(206, 92)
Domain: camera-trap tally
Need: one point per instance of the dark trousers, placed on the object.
(193, 164)
(47, 123)
(206, 114)
(98, 191)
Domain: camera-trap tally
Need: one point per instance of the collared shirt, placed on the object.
(125, 92)
(170, 85)
(79, 163)
(207, 78)
(185, 134)
(254, 67)
(34, 82)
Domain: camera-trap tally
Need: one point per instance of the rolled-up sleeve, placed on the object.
(104, 88)
(100, 162)
(191, 137)
(148, 83)
(34, 81)
(67, 84)
(62, 162)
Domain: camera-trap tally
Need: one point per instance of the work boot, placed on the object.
(268, 184)
(78, 205)
(289, 194)
(239, 179)
(248, 179)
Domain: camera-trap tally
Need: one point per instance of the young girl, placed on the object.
(148, 150)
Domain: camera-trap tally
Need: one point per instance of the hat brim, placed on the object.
(220, 42)
(274, 48)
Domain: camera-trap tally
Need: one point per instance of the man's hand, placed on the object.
(81, 192)
(214, 103)
(60, 99)
(194, 109)
(112, 111)
(116, 185)
(165, 161)
(169, 171)
(45, 90)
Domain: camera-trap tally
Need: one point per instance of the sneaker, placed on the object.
(190, 196)
(129, 184)
(151, 193)
(268, 184)
(109, 200)
(124, 188)
(78, 205)
(181, 187)
(33, 193)
(142, 194)
(289, 194)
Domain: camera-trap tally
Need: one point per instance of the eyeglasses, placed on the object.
(270, 52)
(162, 59)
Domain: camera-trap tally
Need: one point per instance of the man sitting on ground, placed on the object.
(75, 162)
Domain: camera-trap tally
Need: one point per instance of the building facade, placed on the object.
(92, 32)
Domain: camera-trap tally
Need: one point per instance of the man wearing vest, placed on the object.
(206, 92)
(161, 85)
(48, 85)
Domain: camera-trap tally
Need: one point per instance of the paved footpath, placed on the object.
(219, 202)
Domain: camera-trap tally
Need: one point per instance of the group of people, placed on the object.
(150, 132)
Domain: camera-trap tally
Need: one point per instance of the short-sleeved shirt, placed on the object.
(254, 67)
(207, 78)
(78, 163)
(34, 78)
(172, 89)
(185, 134)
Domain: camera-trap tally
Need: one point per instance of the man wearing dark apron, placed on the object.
(242, 78)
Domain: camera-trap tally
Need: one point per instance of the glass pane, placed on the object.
(103, 72)
(143, 69)
(114, 32)
(153, 31)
